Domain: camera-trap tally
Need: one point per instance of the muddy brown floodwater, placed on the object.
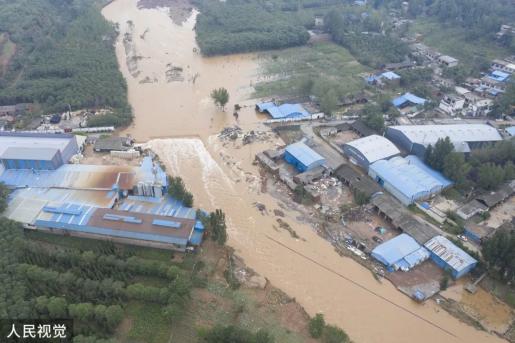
(177, 118)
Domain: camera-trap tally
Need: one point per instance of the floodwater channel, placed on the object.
(169, 85)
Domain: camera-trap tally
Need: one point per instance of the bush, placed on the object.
(333, 334)
(316, 325)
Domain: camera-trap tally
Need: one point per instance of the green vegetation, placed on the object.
(317, 325)
(64, 57)
(215, 225)
(234, 334)
(373, 117)
(325, 70)
(328, 333)
(177, 190)
(360, 198)
(4, 192)
(499, 254)
(364, 38)
(237, 26)
(486, 168)
(220, 97)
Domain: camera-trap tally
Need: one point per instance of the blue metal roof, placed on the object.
(409, 176)
(408, 97)
(283, 111)
(166, 206)
(401, 252)
(453, 255)
(510, 130)
(264, 106)
(498, 75)
(304, 154)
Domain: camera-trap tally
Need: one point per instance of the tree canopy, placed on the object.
(64, 56)
(499, 253)
(220, 97)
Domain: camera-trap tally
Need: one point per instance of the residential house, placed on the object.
(452, 104)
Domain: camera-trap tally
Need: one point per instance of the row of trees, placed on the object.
(64, 57)
(486, 168)
(177, 190)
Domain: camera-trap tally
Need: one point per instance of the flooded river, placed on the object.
(180, 123)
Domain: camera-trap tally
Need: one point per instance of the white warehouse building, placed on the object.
(367, 150)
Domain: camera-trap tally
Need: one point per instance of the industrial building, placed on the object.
(477, 232)
(450, 257)
(284, 111)
(408, 179)
(36, 151)
(302, 157)
(367, 150)
(118, 226)
(123, 204)
(400, 253)
(414, 139)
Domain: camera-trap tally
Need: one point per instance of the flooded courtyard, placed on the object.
(169, 85)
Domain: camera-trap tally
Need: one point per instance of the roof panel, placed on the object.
(374, 147)
(304, 154)
(429, 134)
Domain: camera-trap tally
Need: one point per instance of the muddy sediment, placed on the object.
(222, 175)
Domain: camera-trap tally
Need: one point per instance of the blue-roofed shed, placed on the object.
(450, 257)
(401, 252)
(302, 157)
(500, 76)
(408, 179)
(283, 111)
(408, 99)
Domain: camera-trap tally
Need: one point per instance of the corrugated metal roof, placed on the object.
(166, 206)
(82, 176)
(374, 147)
(390, 75)
(401, 252)
(429, 134)
(304, 154)
(454, 256)
(284, 110)
(409, 177)
(33, 140)
(408, 97)
(102, 221)
(22, 153)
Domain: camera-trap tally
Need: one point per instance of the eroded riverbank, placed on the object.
(223, 177)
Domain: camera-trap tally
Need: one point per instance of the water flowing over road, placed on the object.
(169, 85)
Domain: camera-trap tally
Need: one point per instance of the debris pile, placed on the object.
(173, 73)
(231, 133)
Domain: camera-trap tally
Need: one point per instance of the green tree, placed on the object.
(499, 254)
(114, 315)
(177, 190)
(217, 226)
(220, 97)
(455, 168)
(373, 117)
(4, 192)
(317, 325)
(333, 334)
(57, 307)
(329, 102)
(436, 156)
(234, 334)
(490, 176)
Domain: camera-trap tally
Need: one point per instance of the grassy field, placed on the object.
(453, 41)
(286, 72)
